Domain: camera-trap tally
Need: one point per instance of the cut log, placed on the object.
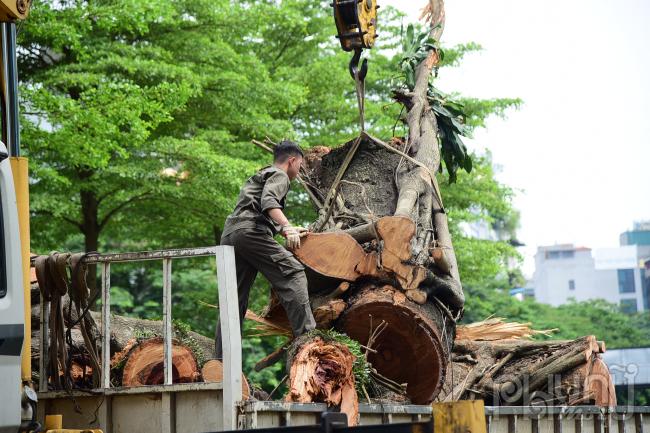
(144, 365)
(274, 320)
(589, 383)
(326, 315)
(516, 372)
(599, 383)
(212, 371)
(339, 256)
(333, 255)
(415, 346)
(321, 371)
(124, 331)
(81, 374)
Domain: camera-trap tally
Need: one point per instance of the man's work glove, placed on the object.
(293, 235)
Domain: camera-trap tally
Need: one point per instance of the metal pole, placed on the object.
(44, 343)
(167, 321)
(6, 121)
(231, 337)
(106, 326)
(20, 173)
(11, 130)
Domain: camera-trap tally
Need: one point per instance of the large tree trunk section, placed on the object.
(415, 346)
(124, 329)
(369, 181)
(321, 371)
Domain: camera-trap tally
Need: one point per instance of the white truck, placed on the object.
(11, 300)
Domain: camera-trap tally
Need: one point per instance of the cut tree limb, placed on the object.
(212, 371)
(516, 372)
(144, 365)
(321, 371)
(337, 255)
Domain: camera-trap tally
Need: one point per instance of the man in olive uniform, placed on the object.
(250, 229)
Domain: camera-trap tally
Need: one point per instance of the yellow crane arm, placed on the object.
(12, 10)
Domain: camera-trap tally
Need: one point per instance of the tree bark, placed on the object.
(415, 346)
(321, 371)
(383, 231)
(521, 372)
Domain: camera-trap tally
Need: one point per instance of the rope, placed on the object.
(59, 274)
(331, 194)
(58, 287)
(79, 294)
(358, 75)
(360, 87)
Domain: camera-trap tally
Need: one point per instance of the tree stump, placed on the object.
(415, 346)
(144, 365)
(381, 242)
(321, 371)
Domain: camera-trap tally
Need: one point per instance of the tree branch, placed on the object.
(108, 194)
(121, 206)
(66, 219)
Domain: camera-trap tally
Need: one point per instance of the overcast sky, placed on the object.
(578, 150)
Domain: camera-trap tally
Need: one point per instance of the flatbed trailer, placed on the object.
(197, 407)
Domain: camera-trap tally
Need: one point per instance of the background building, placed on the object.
(620, 275)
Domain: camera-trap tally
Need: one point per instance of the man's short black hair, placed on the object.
(285, 149)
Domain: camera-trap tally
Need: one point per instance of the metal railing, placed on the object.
(228, 318)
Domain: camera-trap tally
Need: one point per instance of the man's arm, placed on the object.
(278, 216)
(291, 233)
(275, 188)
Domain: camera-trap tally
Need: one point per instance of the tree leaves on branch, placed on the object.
(417, 47)
(451, 126)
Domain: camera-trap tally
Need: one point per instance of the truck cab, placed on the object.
(11, 300)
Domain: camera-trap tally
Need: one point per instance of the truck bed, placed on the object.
(197, 407)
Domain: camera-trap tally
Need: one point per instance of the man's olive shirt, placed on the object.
(265, 190)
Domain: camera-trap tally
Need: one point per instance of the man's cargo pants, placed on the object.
(257, 251)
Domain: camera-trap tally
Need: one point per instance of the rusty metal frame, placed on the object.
(228, 313)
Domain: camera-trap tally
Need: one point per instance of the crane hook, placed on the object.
(355, 72)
